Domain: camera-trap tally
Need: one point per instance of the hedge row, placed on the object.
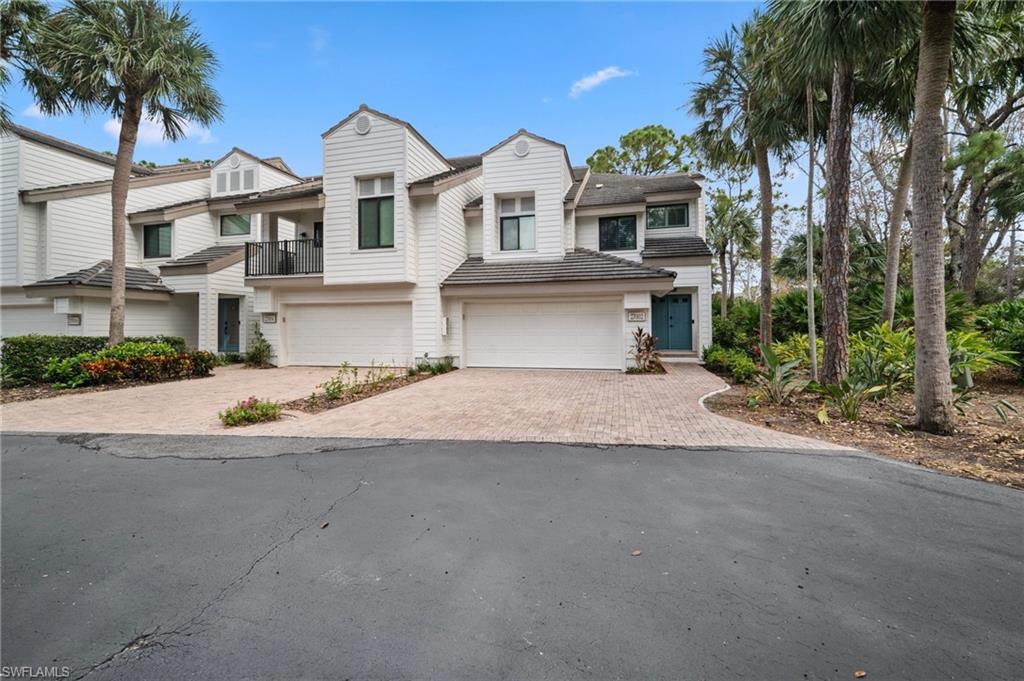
(128, 361)
(23, 359)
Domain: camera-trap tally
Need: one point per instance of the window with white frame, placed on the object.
(222, 182)
(376, 211)
(156, 240)
(249, 179)
(666, 217)
(517, 224)
(235, 225)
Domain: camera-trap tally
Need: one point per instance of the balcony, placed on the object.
(284, 258)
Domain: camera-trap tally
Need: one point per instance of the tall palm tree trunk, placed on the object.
(812, 331)
(932, 389)
(118, 201)
(723, 303)
(892, 244)
(836, 250)
(764, 180)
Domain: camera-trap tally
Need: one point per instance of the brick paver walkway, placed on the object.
(600, 407)
(180, 407)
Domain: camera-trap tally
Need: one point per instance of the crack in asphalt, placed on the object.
(157, 636)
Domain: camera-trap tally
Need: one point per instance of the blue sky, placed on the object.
(465, 75)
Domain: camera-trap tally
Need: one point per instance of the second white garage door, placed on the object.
(550, 335)
(327, 335)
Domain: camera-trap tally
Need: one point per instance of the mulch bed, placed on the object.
(982, 447)
(42, 391)
(318, 402)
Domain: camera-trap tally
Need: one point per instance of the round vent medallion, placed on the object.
(235, 161)
(522, 148)
(363, 124)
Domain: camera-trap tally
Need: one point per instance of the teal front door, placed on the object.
(672, 322)
(227, 315)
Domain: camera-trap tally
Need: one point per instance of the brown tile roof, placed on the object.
(579, 173)
(675, 247)
(72, 148)
(578, 265)
(310, 187)
(475, 203)
(205, 256)
(609, 188)
(100, 276)
(459, 164)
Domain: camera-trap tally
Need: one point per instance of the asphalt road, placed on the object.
(323, 559)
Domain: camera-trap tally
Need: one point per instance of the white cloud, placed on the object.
(33, 111)
(319, 38)
(592, 80)
(151, 133)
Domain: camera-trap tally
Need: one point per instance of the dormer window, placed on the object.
(376, 212)
(236, 180)
(667, 217)
(517, 223)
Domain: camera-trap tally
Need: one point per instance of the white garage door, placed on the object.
(327, 335)
(562, 335)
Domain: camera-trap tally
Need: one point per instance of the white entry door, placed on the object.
(329, 334)
(555, 335)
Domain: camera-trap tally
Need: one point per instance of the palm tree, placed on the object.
(130, 58)
(730, 227)
(819, 37)
(932, 390)
(17, 18)
(742, 124)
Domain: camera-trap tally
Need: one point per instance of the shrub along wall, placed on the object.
(23, 359)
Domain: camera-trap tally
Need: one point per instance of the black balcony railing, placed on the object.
(281, 258)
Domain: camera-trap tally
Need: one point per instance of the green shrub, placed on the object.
(228, 358)
(260, 351)
(797, 348)
(252, 410)
(740, 329)
(789, 314)
(714, 357)
(882, 356)
(865, 308)
(971, 353)
(128, 361)
(1003, 324)
(778, 382)
(426, 366)
(24, 359)
(848, 397)
(740, 366)
(345, 381)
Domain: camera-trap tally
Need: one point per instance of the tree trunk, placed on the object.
(723, 303)
(836, 252)
(764, 179)
(932, 389)
(732, 274)
(892, 244)
(1010, 257)
(118, 200)
(812, 332)
(975, 238)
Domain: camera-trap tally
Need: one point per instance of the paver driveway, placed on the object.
(179, 407)
(602, 407)
(513, 405)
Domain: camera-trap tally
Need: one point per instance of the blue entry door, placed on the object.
(672, 322)
(228, 324)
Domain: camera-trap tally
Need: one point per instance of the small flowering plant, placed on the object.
(250, 410)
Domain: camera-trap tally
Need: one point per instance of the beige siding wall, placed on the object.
(426, 302)
(44, 166)
(542, 172)
(454, 228)
(348, 156)
(588, 234)
(474, 235)
(176, 317)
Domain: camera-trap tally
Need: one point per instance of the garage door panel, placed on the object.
(327, 335)
(549, 335)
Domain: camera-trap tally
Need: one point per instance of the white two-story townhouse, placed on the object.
(513, 258)
(184, 244)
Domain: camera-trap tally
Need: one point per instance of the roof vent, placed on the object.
(362, 124)
(599, 185)
(522, 148)
(234, 161)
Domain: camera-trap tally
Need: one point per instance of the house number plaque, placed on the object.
(636, 315)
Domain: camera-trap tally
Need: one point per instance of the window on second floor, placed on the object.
(235, 225)
(666, 217)
(376, 212)
(517, 224)
(617, 233)
(156, 240)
